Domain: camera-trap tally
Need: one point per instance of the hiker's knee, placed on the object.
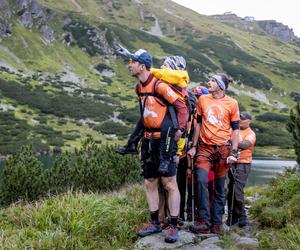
(150, 183)
(170, 184)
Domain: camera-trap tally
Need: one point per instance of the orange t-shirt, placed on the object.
(154, 109)
(217, 115)
(246, 154)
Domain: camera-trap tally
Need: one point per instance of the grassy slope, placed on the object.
(75, 221)
(52, 58)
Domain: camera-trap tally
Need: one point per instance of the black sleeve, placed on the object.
(137, 133)
(199, 119)
(235, 125)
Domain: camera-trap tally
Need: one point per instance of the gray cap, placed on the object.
(245, 115)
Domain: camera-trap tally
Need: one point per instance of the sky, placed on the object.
(284, 11)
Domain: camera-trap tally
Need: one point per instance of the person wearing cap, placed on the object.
(154, 113)
(240, 171)
(215, 143)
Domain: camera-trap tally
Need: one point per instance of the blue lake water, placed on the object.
(263, 170)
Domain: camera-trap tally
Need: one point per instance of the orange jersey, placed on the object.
(217, 115)
(154, 110)
(246, 154)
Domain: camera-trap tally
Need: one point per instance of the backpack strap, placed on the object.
(155, 94)
(171, 108)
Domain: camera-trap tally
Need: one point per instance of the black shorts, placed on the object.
(150, 157)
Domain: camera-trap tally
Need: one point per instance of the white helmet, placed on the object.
(176, 62)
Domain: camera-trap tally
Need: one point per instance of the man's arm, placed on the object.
(196, 134)
(235, 139)
(244, 145)
(232, 158)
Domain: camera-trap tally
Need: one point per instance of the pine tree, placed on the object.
(293, 126)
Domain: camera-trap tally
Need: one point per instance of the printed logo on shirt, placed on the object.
(215, 114)
(148, 112)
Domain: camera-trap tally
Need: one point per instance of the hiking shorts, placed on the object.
(211, 157)
(150, 159)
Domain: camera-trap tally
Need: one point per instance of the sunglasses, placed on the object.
(131, 60)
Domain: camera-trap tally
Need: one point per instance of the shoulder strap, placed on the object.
(171, 108)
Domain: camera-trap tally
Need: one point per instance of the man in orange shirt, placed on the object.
(240, 170)
(155, 96)
(215, 143)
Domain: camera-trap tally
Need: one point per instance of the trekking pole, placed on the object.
(193, 194)
(232, 172)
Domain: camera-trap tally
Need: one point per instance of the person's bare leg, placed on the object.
(171, 186)
(151, 186)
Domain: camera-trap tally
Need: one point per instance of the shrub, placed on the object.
(131, 115)
(295, 96)
(102, 169)
(116, 128)
(272, 134)
(22, 178)
(60, 176)
(90, 168)
(268, 116)
(101, 66)
(279, 204)
(247, 77)
(60, 104)
(293, 126)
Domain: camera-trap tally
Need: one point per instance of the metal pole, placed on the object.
(193, 194)
(232, 196)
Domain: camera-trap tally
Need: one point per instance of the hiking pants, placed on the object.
(211, 157)
(204, 212)
(241, 171)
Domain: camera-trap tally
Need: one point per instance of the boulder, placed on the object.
(156, 241)
(47, 33)
(5, 19)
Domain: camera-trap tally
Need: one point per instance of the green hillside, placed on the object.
(61, 80)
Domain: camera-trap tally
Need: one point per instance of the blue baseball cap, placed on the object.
(142, 56)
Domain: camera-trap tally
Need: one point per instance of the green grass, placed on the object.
(75, 221)
(277, 210)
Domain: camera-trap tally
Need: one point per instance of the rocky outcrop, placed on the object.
(5, 19)
(47, 33)
(279, 30)
(30, 12)
(98, 38)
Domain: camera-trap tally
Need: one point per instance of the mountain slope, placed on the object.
(59, 71)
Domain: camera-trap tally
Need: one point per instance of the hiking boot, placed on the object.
(217, 229)
(149, 229)
(164, 166)
(202, 227)
(171, 234)
(189, 217)
(243, 222)
(165, 223)
(233, 221)
(127, 149)
(180, 222)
